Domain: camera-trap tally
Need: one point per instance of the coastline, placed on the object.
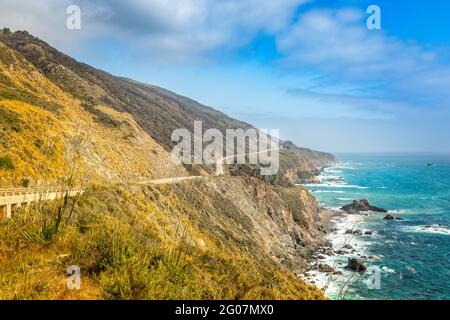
(327, 268)
(407, 246)
(346, 237)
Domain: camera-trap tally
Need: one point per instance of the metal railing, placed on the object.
(35, 190)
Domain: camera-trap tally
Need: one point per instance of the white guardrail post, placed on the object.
(18, 196)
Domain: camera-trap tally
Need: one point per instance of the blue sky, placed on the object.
(310, 68)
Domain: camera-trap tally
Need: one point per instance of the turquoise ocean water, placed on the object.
(416, 250)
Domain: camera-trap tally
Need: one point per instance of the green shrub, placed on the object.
(6, 163)
(9, 120)
(25, 182)
(14, 93)
(101, 116)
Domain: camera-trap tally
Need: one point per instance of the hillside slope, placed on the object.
(47, 134)
(157, 111)
(65, 123)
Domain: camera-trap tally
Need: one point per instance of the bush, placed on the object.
(25, 182)
(6, 163)
(101, 116)
(9, 120)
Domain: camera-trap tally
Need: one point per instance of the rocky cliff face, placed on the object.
(245, 214)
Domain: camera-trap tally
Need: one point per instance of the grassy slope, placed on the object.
(134, 243)
(217, 242)
(47, 134)
(157, 111)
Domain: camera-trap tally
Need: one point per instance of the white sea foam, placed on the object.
(433, 229)
(400, 211)
(387, 270)
(332, 284)
(332, 171)
(329, 177)
(335, 185)
(328, 191)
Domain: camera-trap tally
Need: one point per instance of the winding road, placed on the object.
(15, 197)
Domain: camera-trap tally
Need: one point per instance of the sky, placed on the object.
(310, 68)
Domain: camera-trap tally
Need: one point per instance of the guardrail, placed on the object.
(18, 191)
(18, 196)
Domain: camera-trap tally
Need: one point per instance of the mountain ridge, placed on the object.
(235, 236)
(157, 110)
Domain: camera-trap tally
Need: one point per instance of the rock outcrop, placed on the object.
(391, 217)
(356, 265)
(326, 268)
(361, 205)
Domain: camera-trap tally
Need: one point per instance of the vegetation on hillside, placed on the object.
(65, 123)
(46, 132)
(130, 244)
(157, 111)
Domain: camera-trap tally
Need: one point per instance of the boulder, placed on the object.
(356, 265)
(368, 233)
(325, 268)
(361, 205)
(389, 217)
(357, 232)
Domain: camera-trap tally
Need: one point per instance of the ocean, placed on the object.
(408, 258)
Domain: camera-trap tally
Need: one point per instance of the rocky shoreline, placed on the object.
(343, 255)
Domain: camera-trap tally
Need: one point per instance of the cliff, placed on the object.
(63, 122)
(157, 112)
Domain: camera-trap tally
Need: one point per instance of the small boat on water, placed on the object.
(430, 163)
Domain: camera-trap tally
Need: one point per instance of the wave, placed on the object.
(329, 177)
(400, 211)
(346, 165)
(334, 208)
(432, 229)
(335, 185)
(327, 191)
(385, 269)
(332, 171)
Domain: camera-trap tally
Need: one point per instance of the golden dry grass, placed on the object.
(130, 246)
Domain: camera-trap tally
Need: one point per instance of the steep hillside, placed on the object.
(49, 136)
(185, 242)
(157, 111)
(221, 237)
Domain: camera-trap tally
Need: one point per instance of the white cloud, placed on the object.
(185, 29)
(171, 30)
(339, 41)
(351, 106)
(44, 19)
(334, 44)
